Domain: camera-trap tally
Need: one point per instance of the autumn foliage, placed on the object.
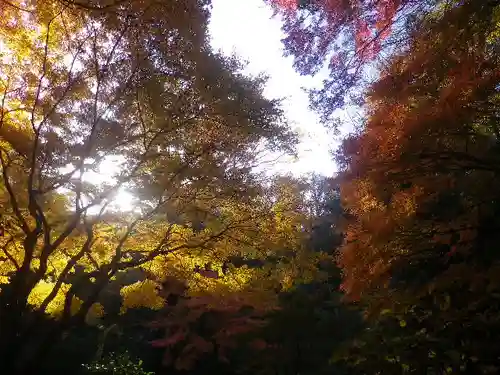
(429, 131)
(388, 267)
(129, 90)
(420, 184)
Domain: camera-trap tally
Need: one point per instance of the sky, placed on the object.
(246, 28)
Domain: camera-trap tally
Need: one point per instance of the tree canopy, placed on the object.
(348, 40)
(419, 185)
(388, 267)
(130, 90)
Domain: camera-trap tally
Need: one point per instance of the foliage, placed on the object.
(419, 184)
(131, 90)
(214, 269)
(232, 297)
(117, 364)
(310, 321)
(347, 40)
(299, 337)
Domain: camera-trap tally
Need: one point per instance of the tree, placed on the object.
(348, 39)
(309, 320)
(419, 184)
(326, 214)
(232, 296)
(133, 85)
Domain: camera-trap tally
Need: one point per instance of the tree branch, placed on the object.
(16, 7)
(9, 256)
(12, 196)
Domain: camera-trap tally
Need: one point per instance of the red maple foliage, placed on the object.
(207, 324)
(286, 5)
(425, 165)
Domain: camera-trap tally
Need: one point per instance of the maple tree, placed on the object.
(131, 87)
(207, 321)
(419, 183)
(311, 322)
(348, 40)
(212, 310)
(432, 134)
(213, 268)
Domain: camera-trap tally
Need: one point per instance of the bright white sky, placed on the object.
(246, 28)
